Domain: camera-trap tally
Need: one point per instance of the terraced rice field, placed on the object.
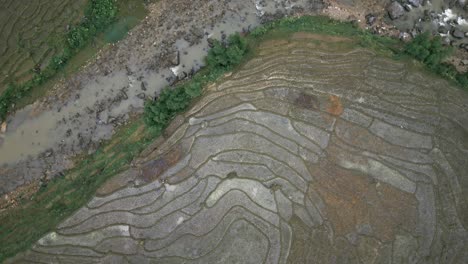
(29, 33)
(313, 152)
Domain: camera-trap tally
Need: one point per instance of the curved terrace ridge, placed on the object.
(311, 152)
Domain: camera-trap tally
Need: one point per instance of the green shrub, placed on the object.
(259, 31)
(173, 101)
(427, 49)
(101, 13)
(430, 51)
(227, 55)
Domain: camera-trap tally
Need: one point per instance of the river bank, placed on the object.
(42, 139)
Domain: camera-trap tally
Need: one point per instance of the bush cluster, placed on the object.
(172, 101)
(98, 15)
(430, 51)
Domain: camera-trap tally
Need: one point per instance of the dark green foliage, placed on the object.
(172, 101)
(193, 89)
(259, 31)
(227, 55)
(427, 49)
(430, 51)
(98, 15)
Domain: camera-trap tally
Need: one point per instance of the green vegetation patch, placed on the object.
(171, 101)
(430, 51)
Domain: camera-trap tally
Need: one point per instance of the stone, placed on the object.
(175, 58)
(3, 127)
(442, 29)
(142, 96)
(143, 86)
(122, 95)
(446, 41)
(49, 153)
(395, 10)
(457, 33)
(404, 36)
(370, 19)
(182, 75)
(414, 3)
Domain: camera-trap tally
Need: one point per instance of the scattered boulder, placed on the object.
(446, 41)
(395, 10)
(464, 46)
(142, 96)
(175, 58)
(415, 3)
(443, 29)
(171, 79)
(181, 75)
(407, 7)
(457, 33)
(49, 153)
(370, 19)
(143, 86)
(122, 95)
(405, 36)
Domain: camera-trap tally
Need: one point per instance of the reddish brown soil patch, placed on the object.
(354, 199)
(334, 105)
